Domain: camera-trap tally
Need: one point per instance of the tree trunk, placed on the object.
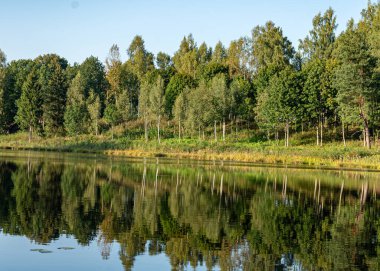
(224, 130)
(158, 129)
(321, 142)
(30, 133)
(112, 131)
(179, 128)
(287, 134)
(216, 139)
(317, 135)
(343, 134)
(236, 126)
(367, 136)
(146, 129)
(96, 127)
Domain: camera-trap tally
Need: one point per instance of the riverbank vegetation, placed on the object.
(301, 152)
(258, 100)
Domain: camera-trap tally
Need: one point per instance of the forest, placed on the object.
(260, 83)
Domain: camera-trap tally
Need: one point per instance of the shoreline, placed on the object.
(329, 156)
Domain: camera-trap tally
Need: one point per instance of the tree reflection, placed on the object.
(234, 218)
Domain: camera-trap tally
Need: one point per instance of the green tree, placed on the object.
(219, 55)
(114, 73)
(144, 105)
(222, 102)
(238, 58)
(319, 43)
(180, 109)
(3, 59)
(278, 105)
(185, 59)
(270, 48)
(52, 79)
(29, 114)
(76, 114)
(157, 102)
(16, 74)
(93, 77)
(112, 116)
(204, 54)
(140, 60)
(176, 85)
(354, 77)
(94, 110)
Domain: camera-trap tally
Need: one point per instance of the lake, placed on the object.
(88, 212)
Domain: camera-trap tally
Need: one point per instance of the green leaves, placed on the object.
(29, 114)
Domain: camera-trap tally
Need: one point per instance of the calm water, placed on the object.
(67, 212)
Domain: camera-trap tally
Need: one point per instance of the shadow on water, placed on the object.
(197, 214)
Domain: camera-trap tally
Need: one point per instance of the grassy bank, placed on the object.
(332, 154)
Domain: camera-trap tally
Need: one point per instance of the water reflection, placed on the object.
(197, 214)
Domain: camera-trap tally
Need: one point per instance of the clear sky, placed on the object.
(76, 29)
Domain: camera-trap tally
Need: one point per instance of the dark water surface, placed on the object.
(76, 212)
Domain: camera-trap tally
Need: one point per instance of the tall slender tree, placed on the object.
(29, 114)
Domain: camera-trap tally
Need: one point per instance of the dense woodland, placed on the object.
(259, 82)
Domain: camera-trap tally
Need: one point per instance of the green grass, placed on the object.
(301, 152)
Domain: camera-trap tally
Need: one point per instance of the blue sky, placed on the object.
(78, 29)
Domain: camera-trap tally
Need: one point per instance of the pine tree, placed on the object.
(29, 114)
(54, 89)
(354, 78)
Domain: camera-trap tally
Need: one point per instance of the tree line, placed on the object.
(260, 80)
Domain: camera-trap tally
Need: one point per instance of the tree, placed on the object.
(93, 77)
(3, 59)
(243, 98)
(123, 106)
(318, 44)
(163, 61)
(315, 99)
(270, 48)
(112, 116)
(76, 114)
(52, 78)
(238, 58)
(157, 102)
(140, 60)
(29, 114)
(354, 77)
(197, 118)
(144, 104)
(278, 105)
(204, 54)
(94, 110)
(219, 55)
(185, 59)
(176, 85)
(114, 74)
(4, 94)
(316, 51)
(222, 101)
(180, 109)
(15, 74)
